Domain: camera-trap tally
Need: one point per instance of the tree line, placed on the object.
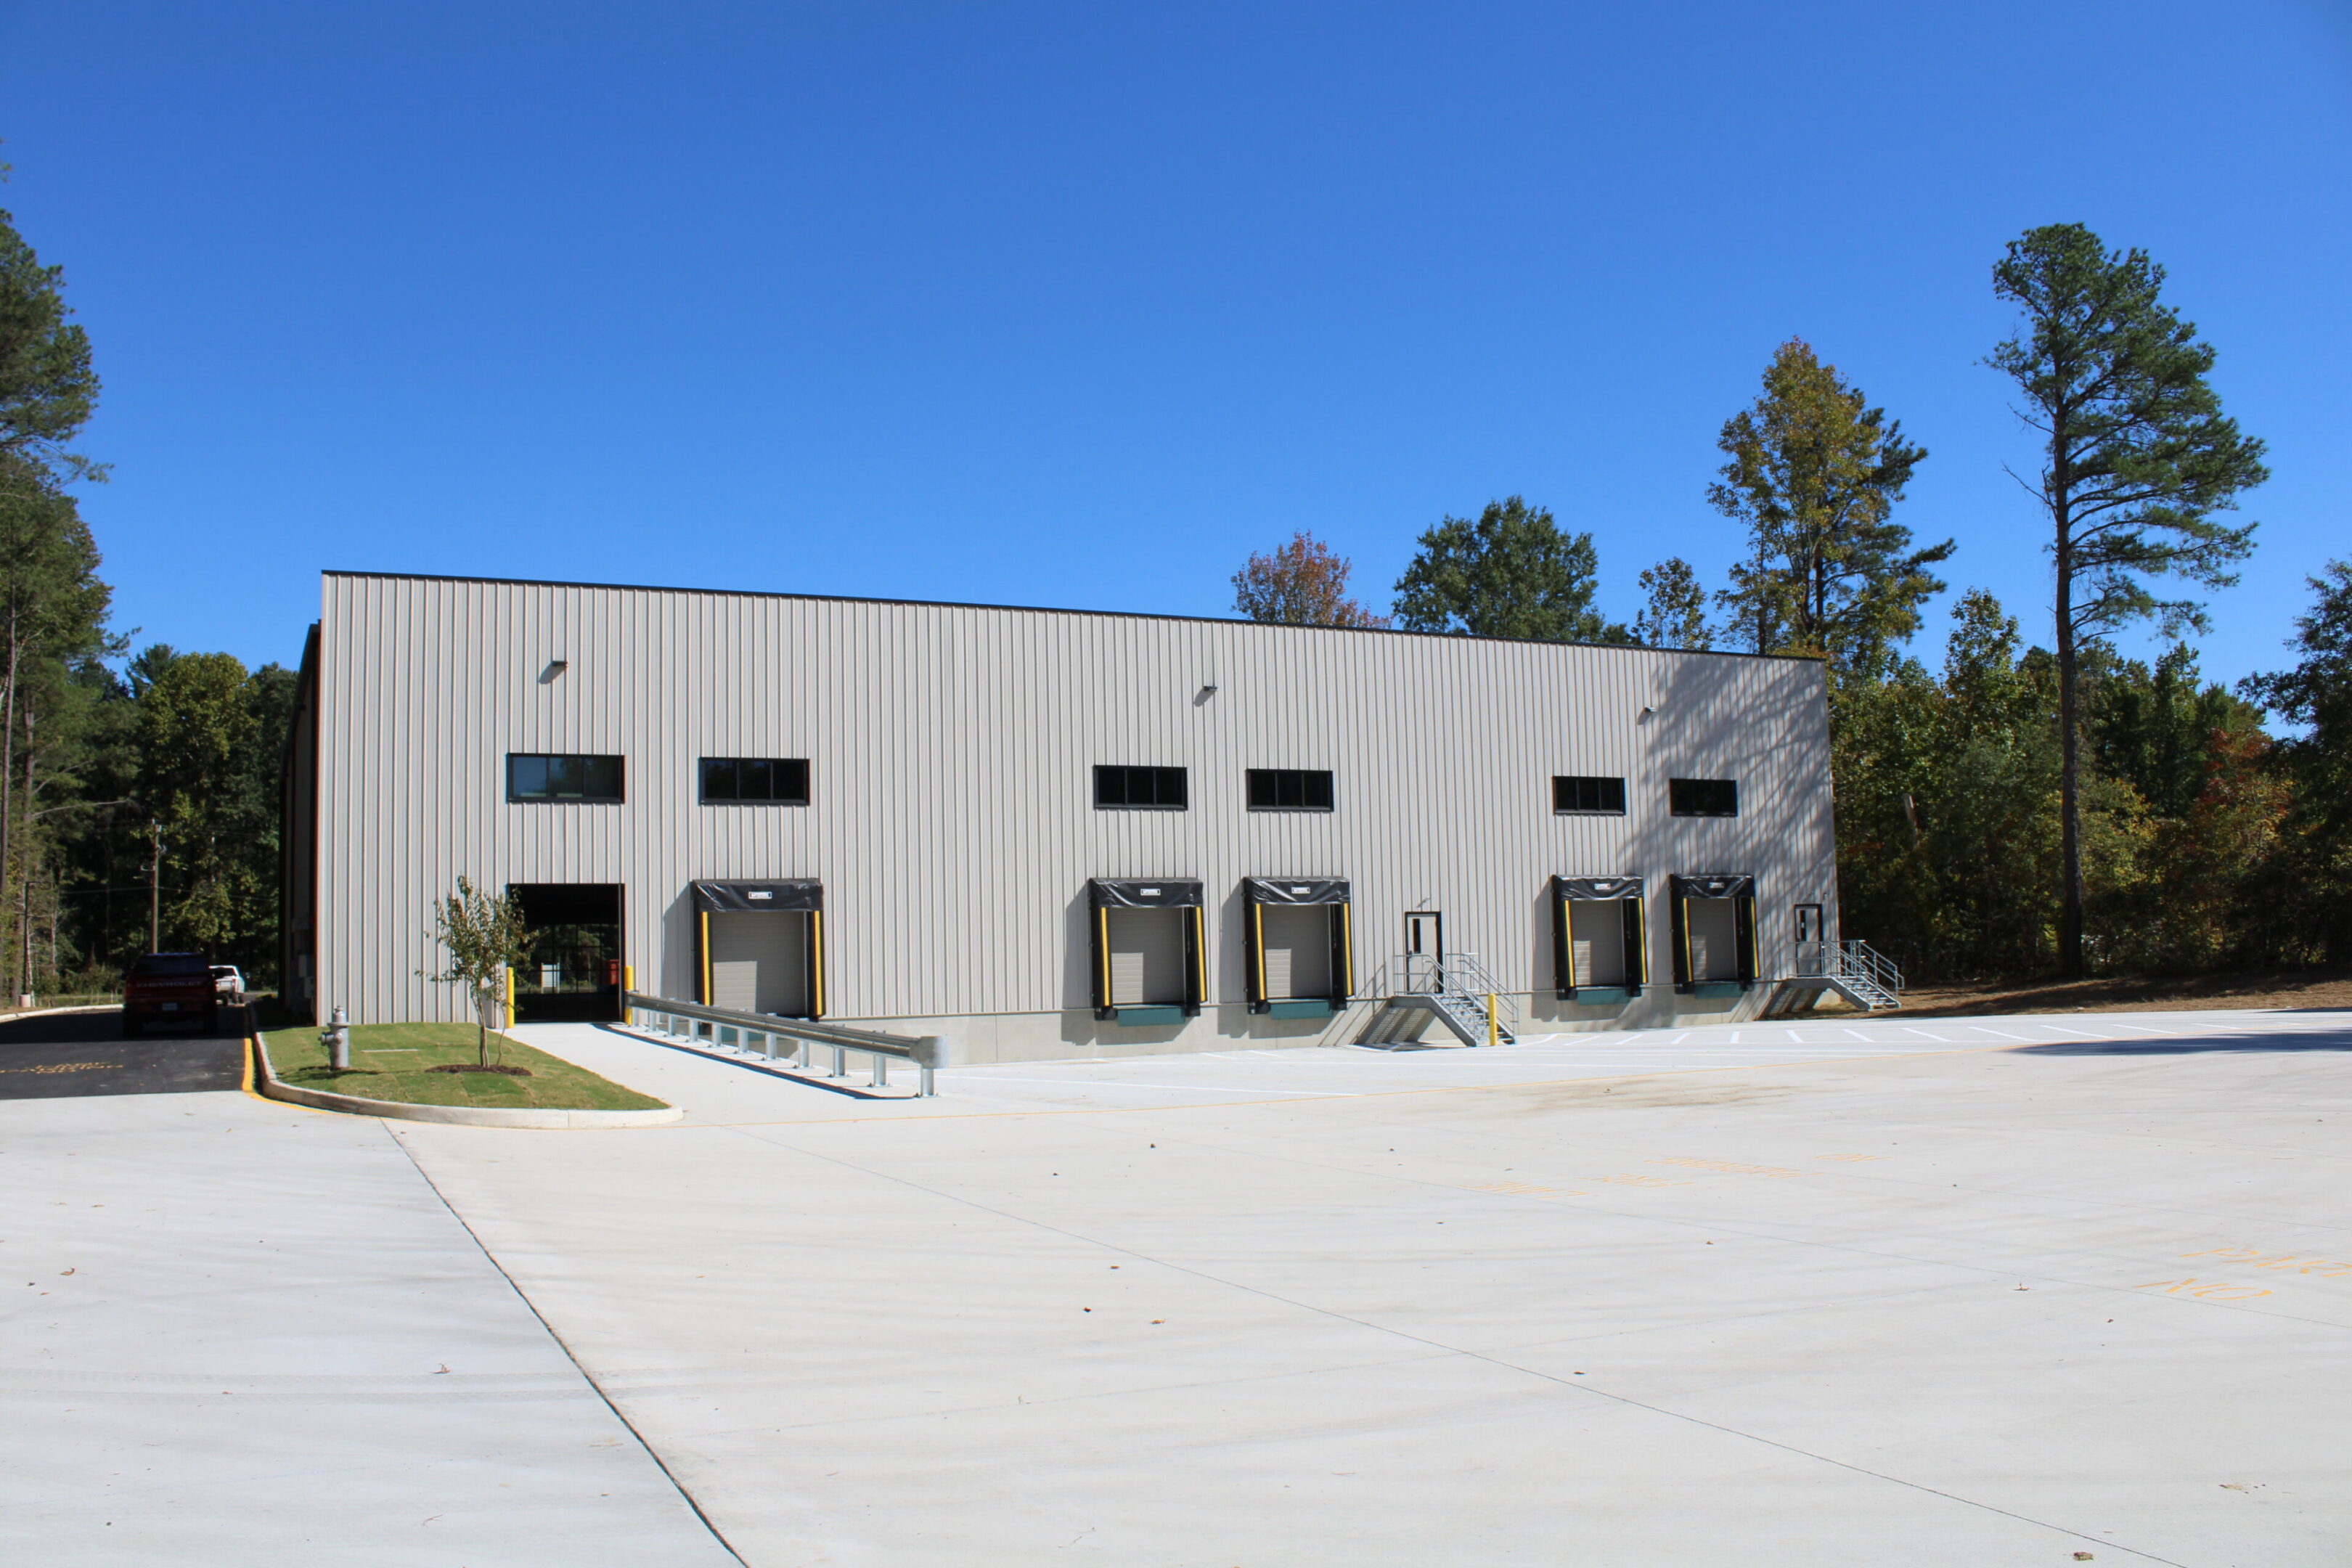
(2014, 807)
(2017, 808)
(138, 806)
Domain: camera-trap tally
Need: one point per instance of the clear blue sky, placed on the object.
(1079, 304)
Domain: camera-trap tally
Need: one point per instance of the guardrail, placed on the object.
(724, 1026)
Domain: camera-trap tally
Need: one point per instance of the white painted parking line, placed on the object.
(946, 1077)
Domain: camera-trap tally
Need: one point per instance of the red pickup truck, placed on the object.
(169, 988)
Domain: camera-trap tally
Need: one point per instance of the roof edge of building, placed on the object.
(1045, 610)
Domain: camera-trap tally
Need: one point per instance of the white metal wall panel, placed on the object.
(951, 751)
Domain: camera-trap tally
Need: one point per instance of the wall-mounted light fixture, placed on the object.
(555, 667)
(1647, 714)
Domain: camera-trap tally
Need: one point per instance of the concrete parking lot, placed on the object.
(2000, 1291)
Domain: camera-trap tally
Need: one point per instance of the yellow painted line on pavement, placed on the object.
(252, 1066)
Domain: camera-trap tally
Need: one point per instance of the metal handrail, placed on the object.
(1455, 974)
(715, 1023)
(1860, 957)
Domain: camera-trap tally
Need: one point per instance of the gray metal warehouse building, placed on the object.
(1046, 833)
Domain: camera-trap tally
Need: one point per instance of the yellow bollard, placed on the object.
(510, 996)
(1494, 1030)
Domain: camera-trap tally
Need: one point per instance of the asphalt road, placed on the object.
(70, 1054)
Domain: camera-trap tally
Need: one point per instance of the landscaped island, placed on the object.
(395, 1062)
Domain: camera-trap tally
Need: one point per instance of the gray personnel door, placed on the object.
(759, 963)
(1147, 957)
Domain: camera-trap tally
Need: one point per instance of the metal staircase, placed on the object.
(1454, 988)
(1867, 978)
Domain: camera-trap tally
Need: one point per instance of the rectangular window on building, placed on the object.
(755, 780)
(1138, 789)
(1289, 789)
(1597, 797)
(1703, 798)
(540, 776)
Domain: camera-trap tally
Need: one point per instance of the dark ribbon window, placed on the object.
(1289, 789)
(1138, 789)
(544, 776)
(1703, 798)
(777, 781)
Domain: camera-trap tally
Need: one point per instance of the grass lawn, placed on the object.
(389, 1062)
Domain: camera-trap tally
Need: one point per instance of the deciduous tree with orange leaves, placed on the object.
(1302, 584)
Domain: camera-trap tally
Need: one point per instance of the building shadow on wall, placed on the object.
(1691, 700)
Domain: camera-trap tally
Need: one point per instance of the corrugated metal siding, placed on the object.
(951, 752)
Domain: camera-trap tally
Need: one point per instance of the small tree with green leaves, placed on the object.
(486, 936)
(1674, 607)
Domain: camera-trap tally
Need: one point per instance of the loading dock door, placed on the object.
(1714, 940)
(1147, 949)
(759, 963)
(573, 970)
(1147, 958)
(1297, 951)
(1601, 949)
(1715, 932)
(758, 947)
(1596, 943)
(1296, 945)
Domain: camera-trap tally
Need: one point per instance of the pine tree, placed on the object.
(2137, 458)
(1815, 474)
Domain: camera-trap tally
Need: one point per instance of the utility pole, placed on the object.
(24, 931)
(155, 888)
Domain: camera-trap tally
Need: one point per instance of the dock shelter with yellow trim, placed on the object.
(1715, 934)
(1150, 950)
(1301, 954)
(760, 946)
(1600, 951)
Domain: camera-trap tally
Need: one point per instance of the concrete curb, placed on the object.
(11, 1015)
(267, 1080)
